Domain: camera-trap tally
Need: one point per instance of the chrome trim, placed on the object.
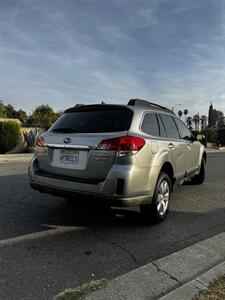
(62, 146)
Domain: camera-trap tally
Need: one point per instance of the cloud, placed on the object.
(60, 54)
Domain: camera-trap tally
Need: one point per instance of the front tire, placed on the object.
(158, 209)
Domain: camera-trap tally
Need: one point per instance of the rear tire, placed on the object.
(158, 209)
(199, 179)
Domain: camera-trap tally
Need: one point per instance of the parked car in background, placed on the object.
(132, 154)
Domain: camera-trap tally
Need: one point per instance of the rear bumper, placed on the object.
(113, 201)
(106, 189)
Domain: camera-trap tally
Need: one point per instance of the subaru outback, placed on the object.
(130, 155)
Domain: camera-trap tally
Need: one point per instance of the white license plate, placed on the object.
(69, 156)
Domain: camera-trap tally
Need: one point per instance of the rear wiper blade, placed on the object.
(64, 130)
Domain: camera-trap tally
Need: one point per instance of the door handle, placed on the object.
(189, 145)
(171, 146)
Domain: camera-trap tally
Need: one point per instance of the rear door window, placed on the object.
(94, 120)
(150, 124)
(170, 126)
(162, 130)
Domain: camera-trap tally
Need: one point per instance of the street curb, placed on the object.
(164, 275)
(20, 157)
(215, 151)
(188, 290)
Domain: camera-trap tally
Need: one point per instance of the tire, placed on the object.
(199, 179)
(158, 209)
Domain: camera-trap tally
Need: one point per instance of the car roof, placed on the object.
(133, 104)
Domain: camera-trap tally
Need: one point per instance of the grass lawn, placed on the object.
(215, 291)
(82, 291)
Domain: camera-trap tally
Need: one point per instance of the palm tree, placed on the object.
(189, 123)
(180, 113)
(196, 121)
(185, 114)
(203, 120)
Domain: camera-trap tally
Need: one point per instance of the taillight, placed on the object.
(40, 141)
(130, 143)
(124, 145)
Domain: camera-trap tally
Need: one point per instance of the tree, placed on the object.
(43, 116)
(211, 116)
(189, 123)
(196, 120)
(219, 118)
(2, 109)
(203, 121)
(180, 113)
(10, 111)
(21, 115)
(185, 114)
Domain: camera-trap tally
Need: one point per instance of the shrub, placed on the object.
(30, 139)
(9, 135)
(221, 136)
(211, 135)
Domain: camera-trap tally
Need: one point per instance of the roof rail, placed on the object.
(141, 102)
(79, 104)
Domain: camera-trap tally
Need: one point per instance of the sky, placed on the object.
(64, 52)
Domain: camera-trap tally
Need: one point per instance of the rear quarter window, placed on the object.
(150, 124)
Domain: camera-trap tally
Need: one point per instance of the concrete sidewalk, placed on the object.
(215, 150)
(162, 276)
(188, 290)
(20, 157)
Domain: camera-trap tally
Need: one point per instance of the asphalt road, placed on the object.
(48, 244)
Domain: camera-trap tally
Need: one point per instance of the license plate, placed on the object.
(69, 156)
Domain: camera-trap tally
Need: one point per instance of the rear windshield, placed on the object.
(94, 121)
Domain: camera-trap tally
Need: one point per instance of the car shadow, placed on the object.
(24, 211)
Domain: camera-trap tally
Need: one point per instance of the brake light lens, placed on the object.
(40, 141)
(124, 145)
(130, 143)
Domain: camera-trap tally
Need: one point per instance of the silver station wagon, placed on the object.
(130, 155)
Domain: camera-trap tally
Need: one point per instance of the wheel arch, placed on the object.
(168, 169)
(204, 156)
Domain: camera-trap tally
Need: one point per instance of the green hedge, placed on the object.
(211, 135)
(9, 135)
(221, 136)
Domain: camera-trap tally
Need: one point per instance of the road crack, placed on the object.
(135, 261)
(166, 273)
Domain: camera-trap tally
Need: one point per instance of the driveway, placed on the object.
(48, 244)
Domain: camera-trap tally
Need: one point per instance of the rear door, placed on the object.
(73, 139)
(176, 146)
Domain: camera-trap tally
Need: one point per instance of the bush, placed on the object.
(30, 138)
(211, 135)
(9, 135)
(221, 136)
